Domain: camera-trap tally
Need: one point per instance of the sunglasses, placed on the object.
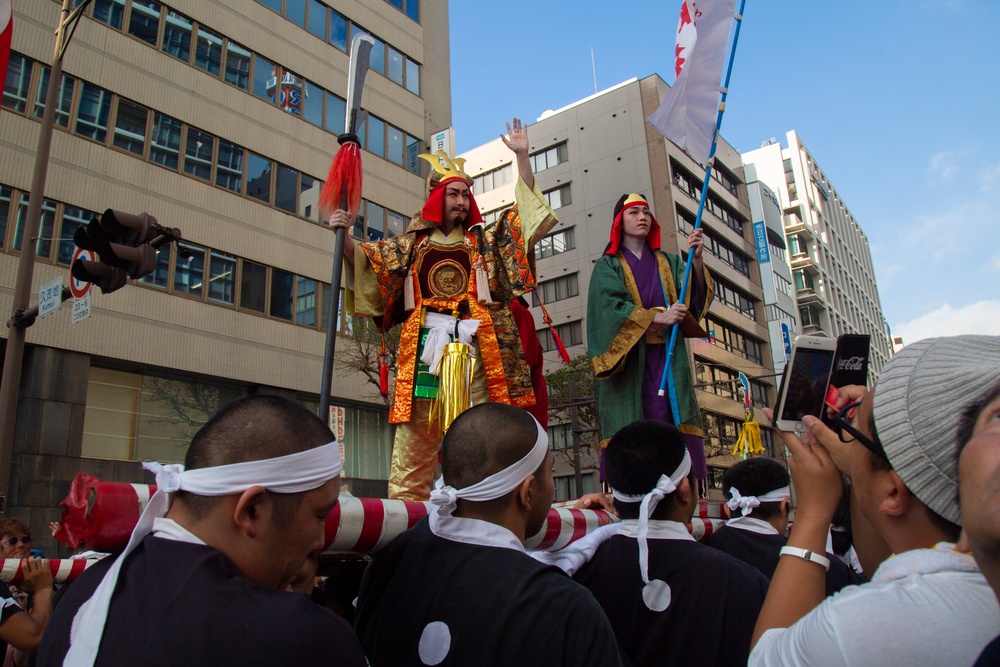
(24, 539)
(842, 421)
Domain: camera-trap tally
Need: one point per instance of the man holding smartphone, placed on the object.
(928, 604)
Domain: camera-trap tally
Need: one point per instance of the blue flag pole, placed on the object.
(674, 407)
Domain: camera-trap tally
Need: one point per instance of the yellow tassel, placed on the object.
(749, 443)
(454, 393)
(482, 282)
(409, 299)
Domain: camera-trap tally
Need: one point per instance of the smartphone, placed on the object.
(805, 385)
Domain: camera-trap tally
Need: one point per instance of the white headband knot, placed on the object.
(655, 593)
(496, 485)
(748, 503)
(294, 473)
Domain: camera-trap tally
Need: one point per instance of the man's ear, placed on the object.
(896, 497)
(526, 493)
(250, 509)
(685, 492)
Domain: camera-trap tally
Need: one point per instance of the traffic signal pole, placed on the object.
(11, 379)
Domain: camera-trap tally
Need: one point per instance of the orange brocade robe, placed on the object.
(381, 269)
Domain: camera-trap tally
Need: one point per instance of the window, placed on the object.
(305, 301)
(177, 36)
(5, 195)
(336, 110)
(394, 69)
(492, 179)
(557, 289)
(158, 278)
(317, 19)
(413, 9)
(130, 127)
(376, 221)
(412, 151)
(809, 316)
(412, 75)
(558, 197)
(72, 219)
(272, 4)
(198, 154)
(64, 95)
(237, 65)
(312, 105)
(570, 333)
(555, 244)
(208, 52)
(338, 30)
(396, 224)
(309, 189)
(144, 21)
(43, 248)
(782, 285)
(394, 145)
(281, 294)
(285, 189)
(93, 113)
(735, 299)
(229, 171)
(265, 78)
(549, 157)
(189, 269)
(259, 177)
(15, 90)
(166, 144)
(376, 136)
(222, 278)
(253, 285)
(295, 11)
(803, 280)
(110, 12)
(378, 55)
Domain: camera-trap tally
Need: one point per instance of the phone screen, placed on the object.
(807, 380)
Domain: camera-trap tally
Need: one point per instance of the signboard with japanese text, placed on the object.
(760, 237)
(50, 297)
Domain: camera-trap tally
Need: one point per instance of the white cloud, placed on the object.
(943, 166)
(989, 179)
(981, 317)
(995, 262)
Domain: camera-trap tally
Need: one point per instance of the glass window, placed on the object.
(47, 224)
(272, 4)
(64, 95)
(394, 144)
(253, 285)
(412, 77)
(130, 127)
(198, 154)
(221, 278)
(285, 188)
(72, 219)
(338, 30)
(376, 222)
(295, 11)
(144, 21)
(412, 151)
(378, 56)
(290, 93)
(208, 51)
(395, 224)
(395, 66)
(398, 4)
(309, 189)
(317, 19)
(158, 278)
(189, 269)
(281, 294)
(305, 302)
(336, 109)
(15, 89)
(110, 12)
(413, 9)
(5, 195)
(166, 146)
(376, 136)
(177, 36)
(265, 79)
(237, 65)
(229, 172)
(92, 115)
(259, 177)
(313, 104)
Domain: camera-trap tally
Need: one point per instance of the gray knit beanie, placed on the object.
(919, 400)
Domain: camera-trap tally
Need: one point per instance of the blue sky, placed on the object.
(897, 101)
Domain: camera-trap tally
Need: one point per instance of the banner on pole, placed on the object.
(687, 115)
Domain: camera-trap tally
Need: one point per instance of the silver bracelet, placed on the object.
(805, 554)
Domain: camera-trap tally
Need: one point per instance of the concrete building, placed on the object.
(831, 262)
(218, 117)
(584, 157)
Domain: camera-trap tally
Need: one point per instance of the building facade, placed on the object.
(585, 156)
(833, 276)
(220, 118)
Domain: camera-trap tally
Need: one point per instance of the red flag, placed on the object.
(687, 114)
(6, 30)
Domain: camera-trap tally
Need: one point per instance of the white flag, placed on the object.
(688, 113)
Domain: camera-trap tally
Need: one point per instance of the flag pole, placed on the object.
(674, 407)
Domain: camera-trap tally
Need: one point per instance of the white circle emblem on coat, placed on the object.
(435, 642)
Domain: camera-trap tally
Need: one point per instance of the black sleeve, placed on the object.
(10, 605)
(840, 575)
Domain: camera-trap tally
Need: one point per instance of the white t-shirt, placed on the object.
(923, 607)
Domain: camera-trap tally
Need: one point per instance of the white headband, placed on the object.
(294, 473)
(748, 503)
(656, 593)
(496, 485)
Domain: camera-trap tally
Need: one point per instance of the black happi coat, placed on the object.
(499, 606)
(714, 603)
(178, 603)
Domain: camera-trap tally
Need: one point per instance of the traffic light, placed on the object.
(122, 241)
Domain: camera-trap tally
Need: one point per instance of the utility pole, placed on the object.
(11, 380)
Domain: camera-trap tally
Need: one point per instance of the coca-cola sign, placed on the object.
(851, 364)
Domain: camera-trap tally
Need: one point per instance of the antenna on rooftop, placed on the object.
(594, 67)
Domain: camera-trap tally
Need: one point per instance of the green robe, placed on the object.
(616, 342)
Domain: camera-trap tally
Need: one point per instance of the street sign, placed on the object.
(50, 297)
(338, 418)
(81, 308)
(80, 288)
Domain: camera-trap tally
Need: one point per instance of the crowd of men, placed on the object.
(208, 574)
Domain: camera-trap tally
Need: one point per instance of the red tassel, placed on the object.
(345, 176)
(383, 378)
(559, 346)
